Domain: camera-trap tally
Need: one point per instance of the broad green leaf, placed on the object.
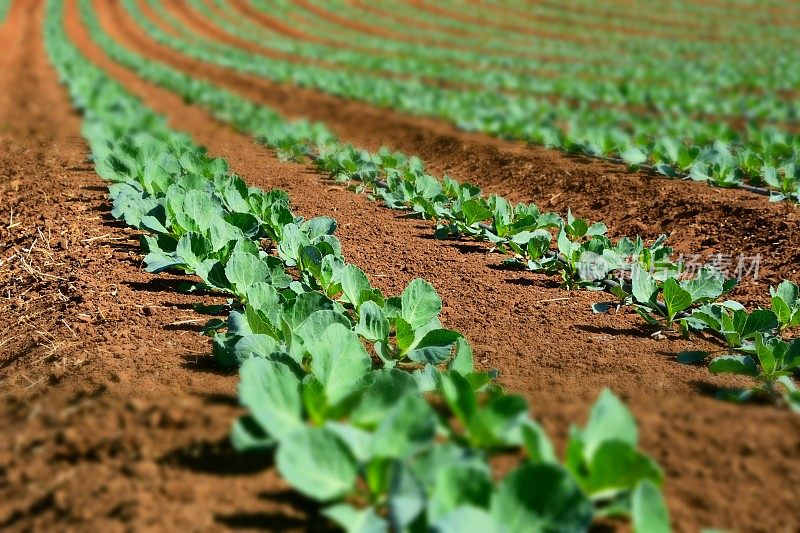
(298, 310)
(357, 440)
(271, 392)
(353, 281)
(339, 361)
(608, 420)
(649, 511)
(427, 378)
(782, 311)
(474, 211)
(406, 497)
(317, 463)
(404, 334)
(503, 416)
(419, 303)
(194, 249)
(407, 428)
(541, 497)
(565, 245)
(247, 435)
(200, 211)
(765, 351)
(354, 520)
(247, 223)
(257, 345)
(759, 320)
(315, 402)
(461, 399)
(459, 485)
(263, 297)
(617, 466)
(537, 444)
(643, 285)
(733, 364)
(434, 347)
(633, 155)
(578, 228)
(223, 234)
(318, 226)
(244, 269)
(383, 393)
(427, 465)
(315, 325)
(707, 284)
(788, 292)
(675, 298)
(372, 323)
(463, 361)
(292, 241)
(468, 519)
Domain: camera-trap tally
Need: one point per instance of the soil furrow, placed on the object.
(548, 348)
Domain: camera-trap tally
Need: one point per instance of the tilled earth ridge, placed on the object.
(148, 450)
(705, 224)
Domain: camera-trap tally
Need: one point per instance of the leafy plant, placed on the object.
(786, 304)
(667, 301)
(770, 362)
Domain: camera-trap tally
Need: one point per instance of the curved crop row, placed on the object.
(654, 56)
(578, 251)
(371, 406)
(600, 86)
(603, 29)
(717, 154)
(645, 81)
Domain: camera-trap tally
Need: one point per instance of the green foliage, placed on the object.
(348, 426)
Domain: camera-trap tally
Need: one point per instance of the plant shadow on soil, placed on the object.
(641, 332)
(108, 219)
(311, 519)
(535, 280)
(218, 458)
(127, 247)
(462, 246)
(205, 364)
(219, 398)
(160, 284)
(714, 391)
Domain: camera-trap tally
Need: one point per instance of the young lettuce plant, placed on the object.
(664, 303)
(753, 350)
(418, 334)
(733, 324)
(785, 181)
(576, 241)
(786, 304)
(520, 229)
(770, 361)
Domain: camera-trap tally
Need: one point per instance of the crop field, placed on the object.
(400, 266)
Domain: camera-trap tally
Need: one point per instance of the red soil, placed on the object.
(123, 424)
